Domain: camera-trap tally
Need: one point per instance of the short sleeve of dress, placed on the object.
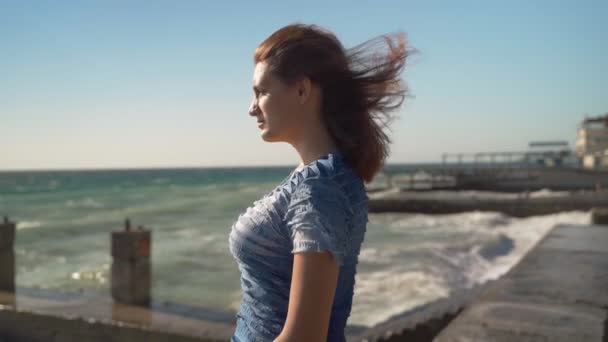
(317, 218)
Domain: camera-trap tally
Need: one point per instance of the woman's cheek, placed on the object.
(263, 105)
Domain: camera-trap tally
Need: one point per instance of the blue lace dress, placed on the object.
(322, 207)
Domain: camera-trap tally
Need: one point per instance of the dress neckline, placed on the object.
(293, 175)
(322, 157)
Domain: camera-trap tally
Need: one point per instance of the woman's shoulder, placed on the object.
(329, 174)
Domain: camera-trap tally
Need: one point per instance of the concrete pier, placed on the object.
(503, 177)
(558, 292)
(513, 204)
(599, 216)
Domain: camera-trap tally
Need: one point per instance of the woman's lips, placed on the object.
(260, 124)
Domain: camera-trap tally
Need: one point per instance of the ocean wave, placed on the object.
(53, 184)
(196, 236)
(97, 275)
(468, 221)
(459, 252)
(382, 294)
(28, 224)
(87, 202)
(548, 193)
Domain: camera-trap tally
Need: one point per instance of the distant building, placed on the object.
(592, 142)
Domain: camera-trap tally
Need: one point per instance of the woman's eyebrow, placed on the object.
(258, 87)
(261, 84)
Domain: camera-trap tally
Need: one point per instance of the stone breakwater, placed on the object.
(513, 204)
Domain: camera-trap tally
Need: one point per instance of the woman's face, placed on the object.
(275, 105)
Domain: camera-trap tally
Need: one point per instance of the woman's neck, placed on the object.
(313, 148)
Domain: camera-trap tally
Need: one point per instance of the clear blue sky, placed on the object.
(110, 84)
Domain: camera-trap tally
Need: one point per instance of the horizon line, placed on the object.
(182, 167)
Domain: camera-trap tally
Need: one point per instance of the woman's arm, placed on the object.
(313, 286)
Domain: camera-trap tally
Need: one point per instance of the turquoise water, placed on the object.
(65, 219)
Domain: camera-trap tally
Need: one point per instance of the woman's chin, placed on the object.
(268, 137)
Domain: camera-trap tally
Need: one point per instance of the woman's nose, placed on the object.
(253, 108)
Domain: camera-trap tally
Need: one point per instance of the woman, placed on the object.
(297, 247)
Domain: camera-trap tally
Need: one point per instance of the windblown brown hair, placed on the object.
(360, 86)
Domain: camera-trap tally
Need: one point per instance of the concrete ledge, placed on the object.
(422, 323)
(558, 292)
(73, 317)
(511, 321)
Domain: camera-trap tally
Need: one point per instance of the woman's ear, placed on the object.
(304, 88)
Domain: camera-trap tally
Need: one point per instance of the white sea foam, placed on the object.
(161, 180)
(460, 250)
(87, 202)
(381, 294)
(549, 193)
(28, 224)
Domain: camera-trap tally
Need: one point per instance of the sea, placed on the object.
(64, 220)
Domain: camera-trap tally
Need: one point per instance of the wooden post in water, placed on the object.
(389, 180)
(131, 267)
(7, 255)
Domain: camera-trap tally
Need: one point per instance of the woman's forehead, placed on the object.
(259, 74)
